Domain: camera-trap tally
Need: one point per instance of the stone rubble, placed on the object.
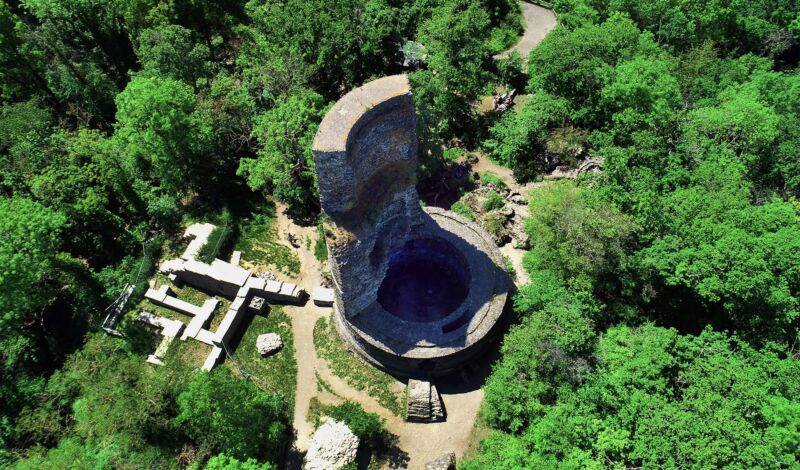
(332, 446)
(424, 403)
(269, 343)
(444, 462)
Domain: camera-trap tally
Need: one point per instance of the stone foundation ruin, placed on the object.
(417, 291)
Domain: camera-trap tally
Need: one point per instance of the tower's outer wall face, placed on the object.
(365, 153)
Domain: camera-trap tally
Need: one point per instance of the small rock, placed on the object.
(445, 462)
(257, 303)
(517, 198)
(332, 446)
(507, 211)
(267, 275)
(269, 343)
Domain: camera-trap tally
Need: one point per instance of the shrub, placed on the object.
(487, 177)
(493, 223)
(320, 247)
(218, 239)
(463, 210)
(493, 201)
(369, 427)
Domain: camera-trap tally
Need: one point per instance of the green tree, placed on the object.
(163, 135)
(654, 398)
(285, 164)
(29, 246)
(519, 139)
(580, 238)
(576, 64)
(224, 462)
(641, 95)
(168, 51)
(222, 413)
(738, 259)
(457, 72)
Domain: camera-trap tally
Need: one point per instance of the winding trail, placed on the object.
(538, 22)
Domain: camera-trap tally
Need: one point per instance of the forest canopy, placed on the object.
(659, 328)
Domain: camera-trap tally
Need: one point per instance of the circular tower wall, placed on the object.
(418, 292)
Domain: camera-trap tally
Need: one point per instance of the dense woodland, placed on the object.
(660, 326)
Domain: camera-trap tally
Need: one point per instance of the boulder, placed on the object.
(269, 343)
(424, 403)
(332, 446)
(517, 198)
(445, 462)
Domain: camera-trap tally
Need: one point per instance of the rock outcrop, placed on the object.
(445, 462)
(332, 446)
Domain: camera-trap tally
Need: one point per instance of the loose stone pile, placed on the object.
(424, 403)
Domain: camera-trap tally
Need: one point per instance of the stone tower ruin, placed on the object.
(417, 291)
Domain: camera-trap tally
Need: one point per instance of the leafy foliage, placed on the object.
(223, 414)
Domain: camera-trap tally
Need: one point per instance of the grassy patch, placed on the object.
(258, 243)
(190, 353)
(463, 210)
(320, 247)
(278, 372)
(355, 372)
(185, 293)
(493, 201)
(323, 386)
(487, 177)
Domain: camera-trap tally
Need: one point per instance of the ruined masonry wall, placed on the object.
(365, 153)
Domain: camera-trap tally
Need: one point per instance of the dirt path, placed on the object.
(538, 22)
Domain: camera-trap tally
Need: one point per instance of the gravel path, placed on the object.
(538, 22)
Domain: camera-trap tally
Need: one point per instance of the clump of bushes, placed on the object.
(493, 201)
(463, 210)
(219, 239)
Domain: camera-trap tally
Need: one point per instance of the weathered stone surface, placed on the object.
(517, 198)
(424, 403)
(257, 303)
(365, 154)
(269, 343)
(322, 296)
(445, 462)
(332, 446)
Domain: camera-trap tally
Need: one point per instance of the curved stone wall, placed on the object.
(365, 153)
